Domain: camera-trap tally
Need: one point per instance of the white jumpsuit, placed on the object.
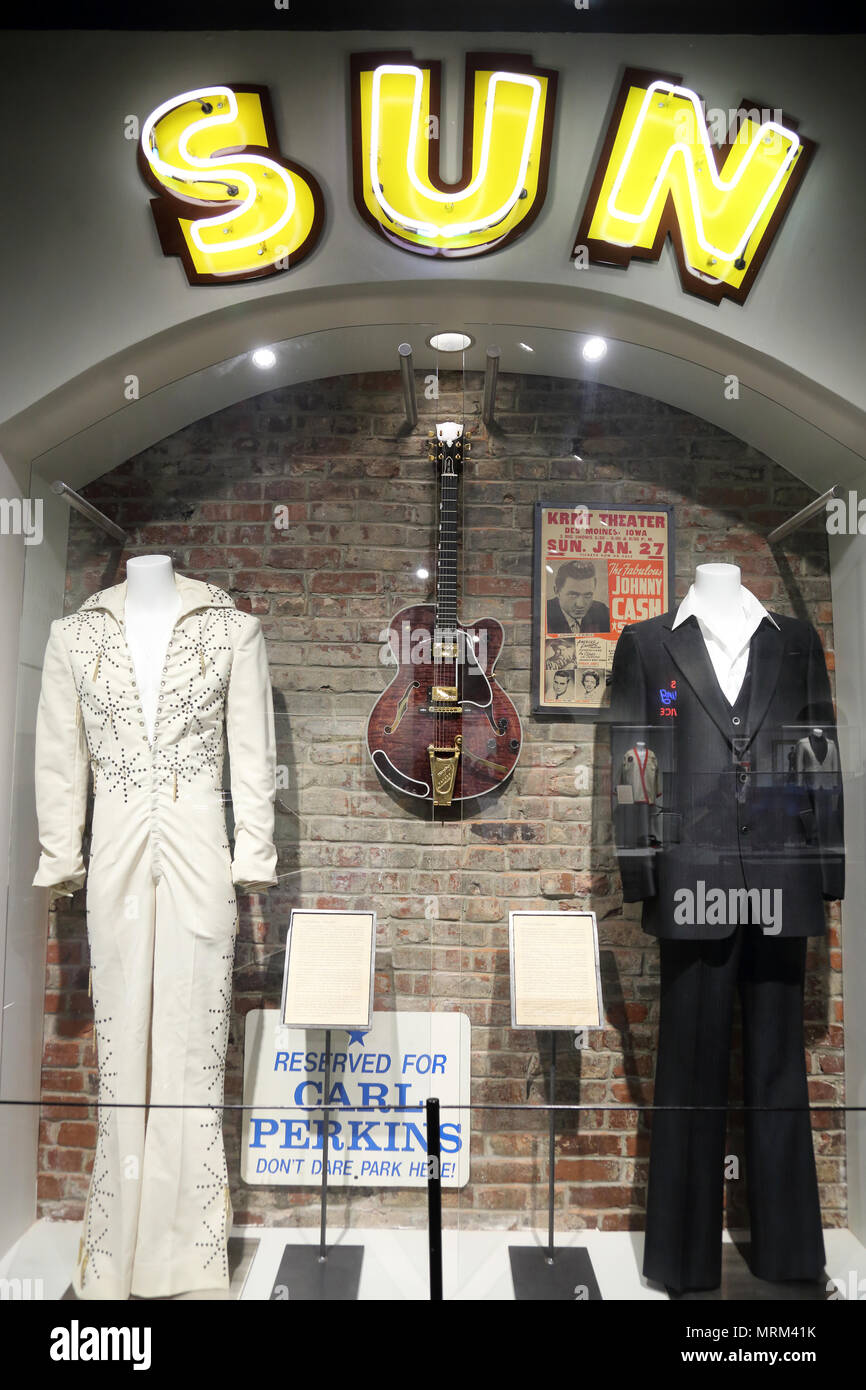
(161, 914)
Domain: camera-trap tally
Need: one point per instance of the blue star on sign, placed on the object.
(357, 1037)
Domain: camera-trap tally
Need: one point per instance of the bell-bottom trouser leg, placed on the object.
(158, 1211)
(682, 1246)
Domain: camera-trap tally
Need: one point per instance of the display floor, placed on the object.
(475, 1264)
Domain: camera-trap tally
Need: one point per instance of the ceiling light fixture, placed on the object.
(450, 342)
(594, 349)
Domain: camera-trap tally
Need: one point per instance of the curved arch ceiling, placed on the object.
(78, 432)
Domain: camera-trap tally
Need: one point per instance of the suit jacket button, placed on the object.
(736, 719)
(744, 829)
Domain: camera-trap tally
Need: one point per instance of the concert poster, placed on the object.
(596, 570)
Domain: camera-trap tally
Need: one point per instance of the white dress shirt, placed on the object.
(728, 646)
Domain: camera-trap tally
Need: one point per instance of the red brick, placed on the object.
(77, 1135)
(61, 1054)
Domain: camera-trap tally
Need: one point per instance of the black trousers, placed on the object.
(686, 1179)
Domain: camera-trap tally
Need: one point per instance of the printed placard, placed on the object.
(397, 1065)
(555, 977)
(328, 976)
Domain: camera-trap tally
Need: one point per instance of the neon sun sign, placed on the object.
(234, 208)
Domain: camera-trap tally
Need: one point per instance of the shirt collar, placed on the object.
(194, 593)
(753, 610)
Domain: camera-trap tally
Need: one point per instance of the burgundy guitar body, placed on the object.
(444, 730)
(401, 728)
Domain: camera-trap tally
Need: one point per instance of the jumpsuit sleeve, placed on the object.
(62, 772)
(253, 758)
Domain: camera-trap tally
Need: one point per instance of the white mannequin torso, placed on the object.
(728, 617)
(718, 588)
(152, 606)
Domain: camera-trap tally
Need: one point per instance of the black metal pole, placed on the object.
(434, 1199)
(551, 1174)
(323, 1249)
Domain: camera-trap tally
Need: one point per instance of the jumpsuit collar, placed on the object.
(194, 594)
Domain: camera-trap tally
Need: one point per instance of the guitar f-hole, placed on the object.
(500, 725)
(402, 706)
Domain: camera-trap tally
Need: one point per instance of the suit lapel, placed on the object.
(687, 647)
(767, 647)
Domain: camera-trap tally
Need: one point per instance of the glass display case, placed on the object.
(365, 524)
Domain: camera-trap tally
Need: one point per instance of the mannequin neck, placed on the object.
(718, 588)
(150, 583)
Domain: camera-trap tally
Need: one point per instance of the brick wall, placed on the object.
(360, 500)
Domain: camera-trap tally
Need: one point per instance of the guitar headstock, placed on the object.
(447, 446)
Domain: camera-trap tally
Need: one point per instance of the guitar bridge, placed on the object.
(442, 700)
(443, 770)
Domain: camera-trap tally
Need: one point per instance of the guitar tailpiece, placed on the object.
(443, 770)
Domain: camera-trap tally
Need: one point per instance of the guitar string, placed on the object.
(462, 496)
(436, 616)
(464, 674)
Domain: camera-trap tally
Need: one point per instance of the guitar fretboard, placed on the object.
(446, 555)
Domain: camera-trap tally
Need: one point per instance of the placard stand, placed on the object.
(544, 1275)
(310, 1273)
(555, 981)
(315, 1274)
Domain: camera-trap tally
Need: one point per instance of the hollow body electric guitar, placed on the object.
(444, 730)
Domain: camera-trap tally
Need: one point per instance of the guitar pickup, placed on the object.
(443, 694)
(444, 651)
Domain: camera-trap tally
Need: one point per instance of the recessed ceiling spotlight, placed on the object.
(264, 357)
(423, 574)
(450, 342)
(594, 349)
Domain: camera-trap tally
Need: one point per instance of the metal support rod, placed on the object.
(551, 1174)
(87, 509)
(407, 374)
(491, 375)
(434, 1199)
(795, 522)
(323, 1248)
